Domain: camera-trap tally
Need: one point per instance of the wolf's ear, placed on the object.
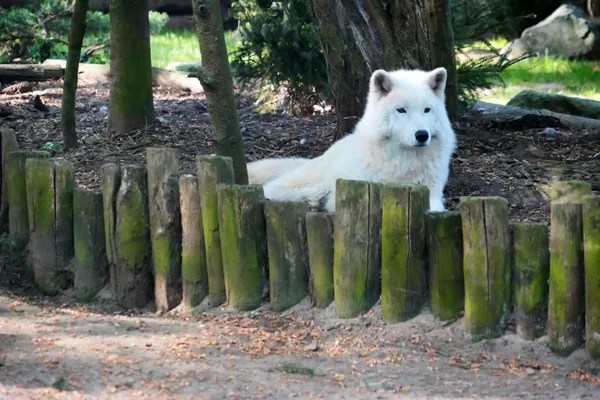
(436, 80)
(381, 83)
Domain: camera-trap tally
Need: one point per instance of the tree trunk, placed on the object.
(76, 34)
(131, 105)
(359, 37)
(217, 82)
(593, 8)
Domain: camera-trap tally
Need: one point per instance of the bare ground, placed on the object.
(55, 348)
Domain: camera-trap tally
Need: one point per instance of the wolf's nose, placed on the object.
(422, 136)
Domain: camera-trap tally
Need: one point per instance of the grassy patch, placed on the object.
(181, 46)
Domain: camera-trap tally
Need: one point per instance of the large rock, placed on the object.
(516, 49)
(556, 103)
(568, 32)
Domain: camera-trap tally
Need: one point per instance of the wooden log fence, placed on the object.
(160, 239)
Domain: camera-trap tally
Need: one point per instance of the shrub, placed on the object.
(279, 43)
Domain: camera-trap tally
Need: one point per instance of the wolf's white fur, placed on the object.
(383, 147)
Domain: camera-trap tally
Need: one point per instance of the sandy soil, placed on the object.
(54, 349)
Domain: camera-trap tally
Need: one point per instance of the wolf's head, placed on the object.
(407, 107)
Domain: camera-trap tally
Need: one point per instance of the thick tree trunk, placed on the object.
(131, 104)
(359, 37)
(69, 130)
(217, 82)
(593, 8)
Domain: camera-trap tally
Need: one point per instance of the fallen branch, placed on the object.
(54, 69)
(500, 113)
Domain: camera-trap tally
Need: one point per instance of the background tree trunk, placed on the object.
(217, 82)
(442, 49)
(359, 37)
(131, 105)
(593, 8)
(69, 129)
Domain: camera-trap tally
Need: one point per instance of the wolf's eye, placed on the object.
(401, 110)
(427, 110)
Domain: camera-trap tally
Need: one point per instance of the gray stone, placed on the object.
(557, 103)
(568, 32)
(515, 49)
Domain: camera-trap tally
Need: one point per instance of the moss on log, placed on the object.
(133, 262)
(357, 247)
(242, 231)
(486, 264)
(91, 264)
(8, 143)
(403, 251)
(531, 269)
(566, 301)
(50, 184)
(591, 249)
(193, 254)
(111, 182)
(319, 234)
(288, 253)
(213, 170)
(165, 225)
(18, 216)
(445, 250)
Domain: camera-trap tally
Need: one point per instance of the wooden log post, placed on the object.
(165, 225)
(8, 143)
(403, 251)
(591, 249)
(242, 232)
(134, 283)
(111, 182)
(288, 253)
(50, 184)
(357, 247)
(18, 217)
(319, 235)
(486, 265)
(531, 269)
(445, 255)
(90, 263)
(193, 254)
(566, 301)
(213, 170)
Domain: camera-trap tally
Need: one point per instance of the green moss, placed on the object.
(132, 232)
(403, 251)
(446, 283)
(17, 194)
(531, 271)
(591, 234)
(242, 267)
(319, 230)
(288, 257)
(486, 264)
(211, 171)
(352, 256)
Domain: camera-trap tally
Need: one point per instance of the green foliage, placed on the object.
(40, 30)
(279, 43)
(473, 21)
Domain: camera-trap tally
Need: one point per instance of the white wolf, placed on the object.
(404, 136)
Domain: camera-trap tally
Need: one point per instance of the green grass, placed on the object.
(181, 46)
(579, 78)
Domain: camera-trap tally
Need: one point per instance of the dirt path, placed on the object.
(60, 351)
